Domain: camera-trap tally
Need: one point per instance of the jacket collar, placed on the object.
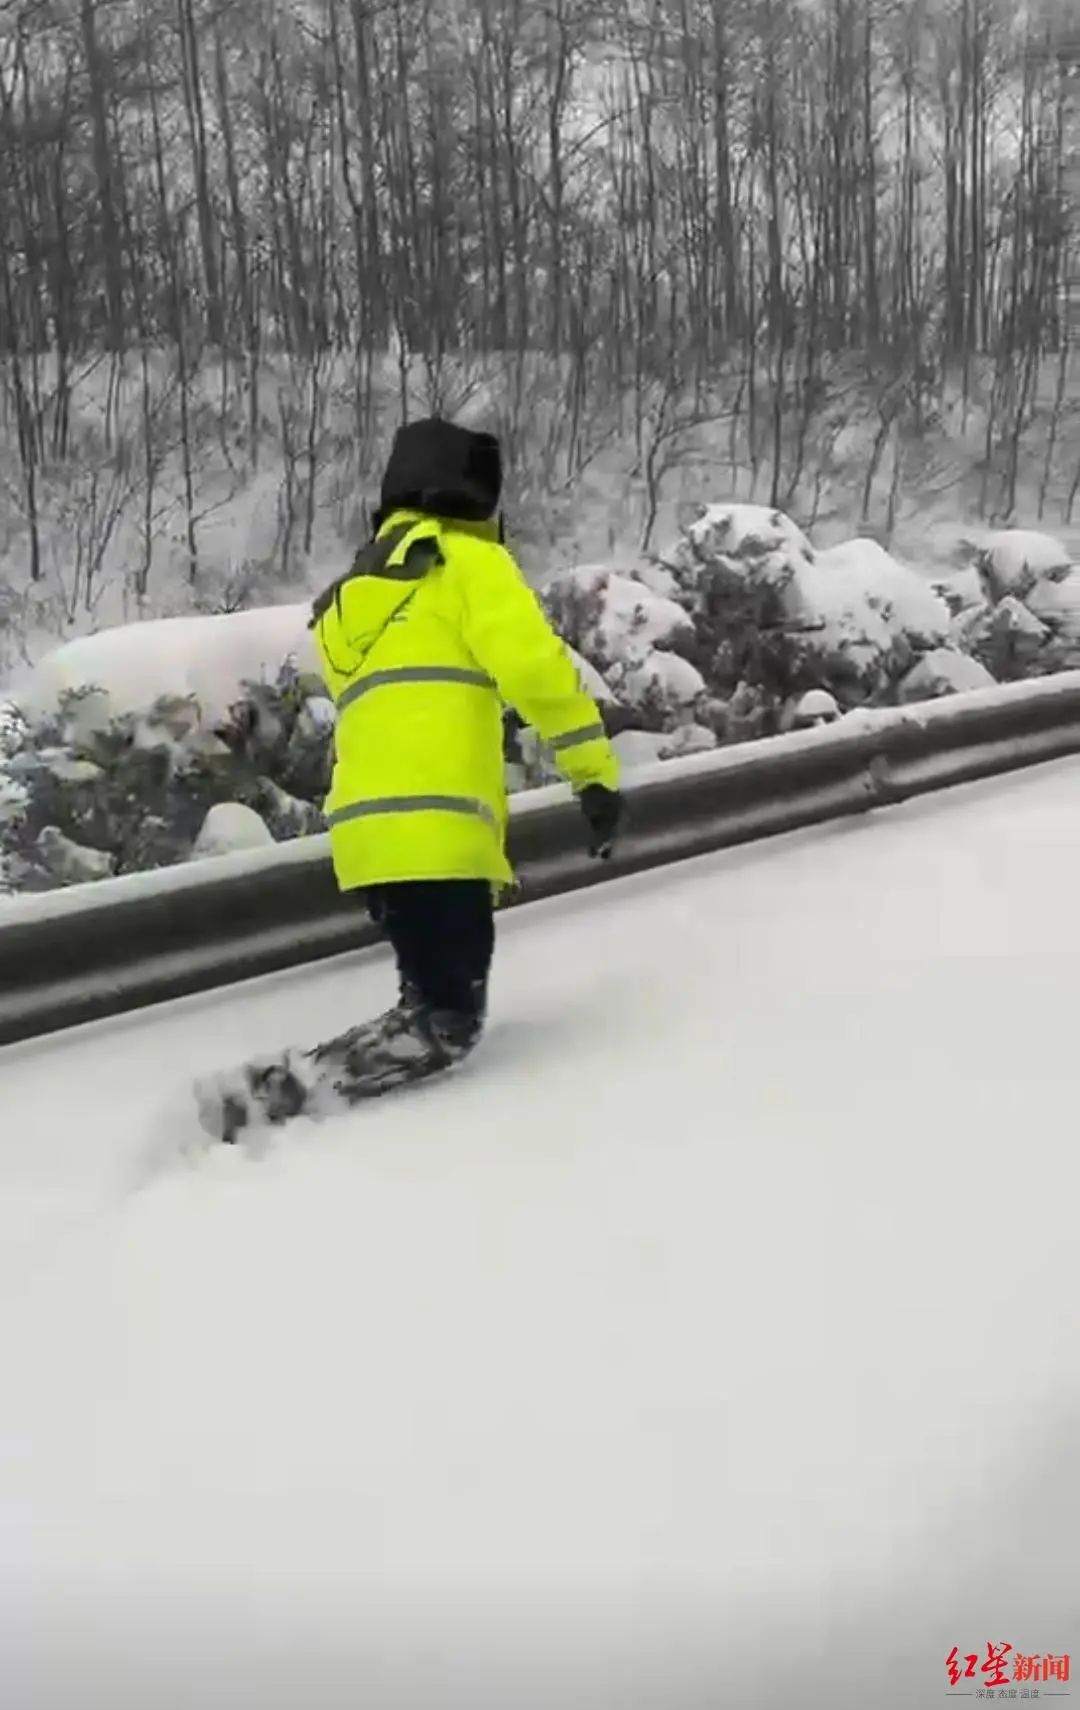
(489, 530)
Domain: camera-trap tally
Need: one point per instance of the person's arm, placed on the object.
(508, 631)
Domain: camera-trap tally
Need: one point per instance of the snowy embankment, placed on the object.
(204, 735)
(658, 1359)
(853, 608)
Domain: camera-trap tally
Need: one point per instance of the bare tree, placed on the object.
(582, 209)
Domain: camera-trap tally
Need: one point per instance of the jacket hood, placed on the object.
(443, 470)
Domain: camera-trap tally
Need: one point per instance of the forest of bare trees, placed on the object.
(616, 216)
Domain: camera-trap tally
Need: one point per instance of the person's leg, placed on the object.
(443, 935)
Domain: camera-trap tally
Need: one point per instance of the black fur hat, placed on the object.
(446, 470)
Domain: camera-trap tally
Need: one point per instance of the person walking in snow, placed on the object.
(429, 632)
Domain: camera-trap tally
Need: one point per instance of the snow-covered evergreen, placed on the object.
(1019, 613)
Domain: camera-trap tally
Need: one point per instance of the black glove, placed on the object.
(603, 810)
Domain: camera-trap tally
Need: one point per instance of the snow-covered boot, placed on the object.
(408, 1043)
(397, 1048)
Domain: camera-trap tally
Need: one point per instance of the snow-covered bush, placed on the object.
(1026, 620)
(631, 637)
(1013, 560)
(229, 827)
(98, 795)
(736, 569)
(1007, 638)
(688, 738)
(773, 618)
(1055, 602)
(71, 863)
(663, 686)
(962, 591)
(613, 618)
(944, 671)
(283, 733)
(639, 748)
(810, 711)
(89, 793)
(130, 737)
(877, 603)
(741, 617)
(12, 728)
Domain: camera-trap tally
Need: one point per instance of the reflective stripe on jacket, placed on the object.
(421, 644)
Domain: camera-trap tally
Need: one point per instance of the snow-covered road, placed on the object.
(713, 1338)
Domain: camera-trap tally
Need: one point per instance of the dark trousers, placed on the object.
(443, 936)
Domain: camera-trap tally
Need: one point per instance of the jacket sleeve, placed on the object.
(508, 632)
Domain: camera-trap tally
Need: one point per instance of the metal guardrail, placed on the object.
(105, 948)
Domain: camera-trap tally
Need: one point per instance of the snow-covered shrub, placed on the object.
(90, 793)
(1013, 560)
(228, 827)
(870, 580)
(1027, 620)
(112, 796)
(69, 863)
(868, 621)
(944, 671)
(736, 569)
(664, 687)
(639, 747)
(961, 592)
(630, 638)
(1007, 638)
(688, 738)
(807, 712)
(613, 619)
(1055, 601)
(12, 729)
(751, 713)
(774, 619)
(283, 731)
(644, 747)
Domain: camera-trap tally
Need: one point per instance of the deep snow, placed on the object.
(710, 1339)
(208, 657)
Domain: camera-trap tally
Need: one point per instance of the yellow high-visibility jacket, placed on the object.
(419, 654)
